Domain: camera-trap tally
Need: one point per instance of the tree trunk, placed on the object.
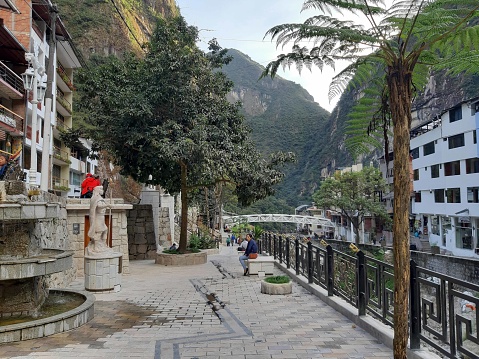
(184, 210)
(399, 82)
(355, 222)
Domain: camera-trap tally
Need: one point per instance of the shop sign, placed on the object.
(8, 120)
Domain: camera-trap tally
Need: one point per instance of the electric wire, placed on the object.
(128, 27)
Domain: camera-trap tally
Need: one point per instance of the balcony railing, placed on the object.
(11, 119)
(60, 184)
(63, 101)
(11, 78)
(61, 155)
(61, 125)
(63, 74)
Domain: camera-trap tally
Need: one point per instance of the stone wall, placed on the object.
(77, 210)
(462, 268)
(141, 233)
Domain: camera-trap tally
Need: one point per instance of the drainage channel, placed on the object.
(211, 298)
(224, 272)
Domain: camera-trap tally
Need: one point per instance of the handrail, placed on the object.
(13, 117)
(11, 78)
(438, 302)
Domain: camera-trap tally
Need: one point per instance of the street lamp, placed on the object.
(31, 83)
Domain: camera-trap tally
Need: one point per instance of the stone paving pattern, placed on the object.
(204, 311)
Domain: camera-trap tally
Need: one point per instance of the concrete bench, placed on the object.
(261, 264)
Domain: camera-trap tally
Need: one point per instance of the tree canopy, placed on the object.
(354, 195)
(166, 116)
(390, 58)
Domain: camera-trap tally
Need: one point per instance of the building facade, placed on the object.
(445, 165)
(27, 30)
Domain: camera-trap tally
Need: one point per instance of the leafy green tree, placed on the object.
(166, 115)
(354, 195)
(409, 39)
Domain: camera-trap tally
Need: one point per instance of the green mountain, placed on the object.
(283, 117)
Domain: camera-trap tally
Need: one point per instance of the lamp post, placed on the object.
(30, 82)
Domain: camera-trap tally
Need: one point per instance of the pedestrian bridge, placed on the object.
(278, 218)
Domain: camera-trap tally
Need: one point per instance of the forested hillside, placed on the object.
(283, 117)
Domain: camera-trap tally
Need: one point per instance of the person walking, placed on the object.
(251, 251)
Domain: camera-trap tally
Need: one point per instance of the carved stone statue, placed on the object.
(98, 231)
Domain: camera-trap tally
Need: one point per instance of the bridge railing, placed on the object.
(443, 309)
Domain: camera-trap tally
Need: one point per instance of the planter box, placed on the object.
(275, 289)
(435, 250)
(187, 259)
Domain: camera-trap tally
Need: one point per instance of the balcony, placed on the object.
(60, 184)
(10, 83)
(65, 78)
(10, 122)
(65, 107)
(60, 157)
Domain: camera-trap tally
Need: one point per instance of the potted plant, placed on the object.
(280, 284)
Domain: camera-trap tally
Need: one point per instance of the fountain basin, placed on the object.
(48, 261)
(37, 328)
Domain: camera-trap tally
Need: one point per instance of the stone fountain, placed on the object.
(27, 265)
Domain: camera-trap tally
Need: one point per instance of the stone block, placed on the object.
(33, 332)
(53, 328)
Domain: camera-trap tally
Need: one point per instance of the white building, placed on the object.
(446, 178)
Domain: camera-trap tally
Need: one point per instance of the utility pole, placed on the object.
(47, 125)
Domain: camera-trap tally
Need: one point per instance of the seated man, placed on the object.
(252, 248)
(242, 246)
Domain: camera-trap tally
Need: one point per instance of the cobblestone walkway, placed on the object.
(204, 311)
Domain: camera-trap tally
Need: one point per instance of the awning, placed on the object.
(8, 5)
(10, 48)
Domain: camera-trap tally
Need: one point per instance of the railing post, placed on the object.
(260, 244)
(296, 247)
(310, 262)
(330, 270)
(415, 308)
(280, 241)
(274, 246)
(361, 283)
(269, 244)
(288, 258)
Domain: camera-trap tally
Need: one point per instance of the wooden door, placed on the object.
(87, 228)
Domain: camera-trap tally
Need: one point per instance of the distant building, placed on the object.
(445, 165)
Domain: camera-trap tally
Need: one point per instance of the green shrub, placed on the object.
(279, 279)
(175, 251)
(201, 242)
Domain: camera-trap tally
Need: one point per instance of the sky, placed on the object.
(242, 25)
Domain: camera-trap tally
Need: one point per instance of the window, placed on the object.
(464, 234)
(75, 179)
(417, 197)
(472, 165)
(455, 114)
(473, 194)
(456, 141)
(452, 168)
(439, 195)
(416, 175)
(453, 195)
(435, 225)
(415, 153)
(474, 137)
(429, 148)
(434, 171)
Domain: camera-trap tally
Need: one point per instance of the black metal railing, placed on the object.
(443, 309)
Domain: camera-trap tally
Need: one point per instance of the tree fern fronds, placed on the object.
(352, 6)
(466, 62)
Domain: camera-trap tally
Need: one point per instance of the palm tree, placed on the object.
(389, 59)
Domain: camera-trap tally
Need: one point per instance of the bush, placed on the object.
(279, 279)
(175, 251)
(201, 242)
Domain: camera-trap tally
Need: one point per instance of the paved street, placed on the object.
(204, 311)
